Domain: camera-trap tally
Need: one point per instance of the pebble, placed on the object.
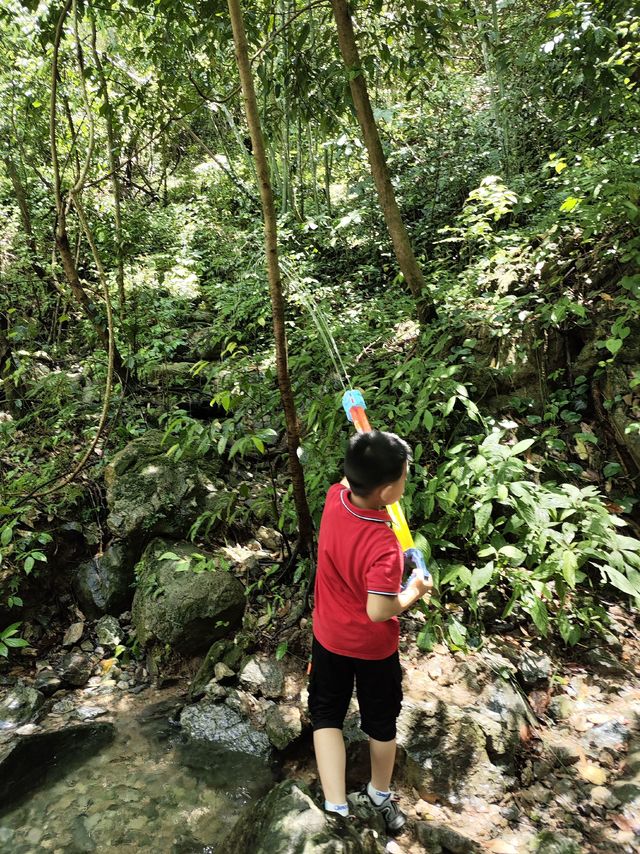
(73, 634)
(89, 713)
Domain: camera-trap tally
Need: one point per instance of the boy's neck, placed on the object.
(370, 503)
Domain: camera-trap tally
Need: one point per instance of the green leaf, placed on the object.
(512, 553)
(16, 642)
(621, 581)
(427, 420)
(521, 446)
(39, 556)
(449, 405)
(28, 564)
(257, 441)
(482, 515)
(613, 345)
(457, 633)
(426, 639)
(502, 493)
(5, 537)
(540, 616)
(569, 566)
(169, 556)
(281, 650)
(482, 575)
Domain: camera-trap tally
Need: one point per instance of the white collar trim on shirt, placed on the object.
(357, 515)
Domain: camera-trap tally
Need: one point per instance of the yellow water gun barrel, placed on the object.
(354, 406)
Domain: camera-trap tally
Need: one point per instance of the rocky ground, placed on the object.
(508, 749)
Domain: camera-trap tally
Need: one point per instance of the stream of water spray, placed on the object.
(320, 321)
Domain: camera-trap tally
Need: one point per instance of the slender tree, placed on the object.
(273, 269)
(62, 208)
(379, 170)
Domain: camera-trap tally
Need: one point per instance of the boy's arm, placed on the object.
(381, 608)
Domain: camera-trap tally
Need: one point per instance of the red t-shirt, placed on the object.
(358, 554)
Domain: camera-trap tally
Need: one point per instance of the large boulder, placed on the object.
(182, 603)
(19, 705)
(446, 754)
(227, 727)
(104, 584)
(287, 821)
(465, 739)
(150, 493)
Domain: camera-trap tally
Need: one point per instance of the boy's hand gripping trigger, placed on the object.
(354, 406)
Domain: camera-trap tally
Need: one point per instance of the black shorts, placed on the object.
(378, 688)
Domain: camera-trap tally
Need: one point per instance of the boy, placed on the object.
(355, 625)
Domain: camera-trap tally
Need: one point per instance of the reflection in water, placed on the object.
(148, 791)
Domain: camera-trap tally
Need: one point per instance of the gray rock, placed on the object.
(534, 666)
(225, 726)
(614, 733)
(19, 706)
(446, 752)
(555, 843)
(64, 706)
(627, 788)
(269, 538)
(183, 609)
(439, 839)
(47, 682)
(104, 585)
(73, 634)
(90, 713)
(227, 651)
(151, 494)
(265, 675)
(108, 632)
(605, 662)
(287, 821)
(561, 707)
(75, 669)
(283, 725)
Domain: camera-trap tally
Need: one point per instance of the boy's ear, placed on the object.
(385, 493)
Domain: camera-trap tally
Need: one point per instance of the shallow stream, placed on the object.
(149, 790)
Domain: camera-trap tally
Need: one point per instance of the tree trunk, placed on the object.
(21, 198)
(71, 274)
(495, 81)
(273, 269)
(379, 170)
(114, 168)
(61, 236)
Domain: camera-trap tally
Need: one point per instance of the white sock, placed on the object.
(341, 809)
(377, 796)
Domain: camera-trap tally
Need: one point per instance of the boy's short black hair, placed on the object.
(374, 459)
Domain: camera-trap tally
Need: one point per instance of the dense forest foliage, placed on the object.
(135, 293)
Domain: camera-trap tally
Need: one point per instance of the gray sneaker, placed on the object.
(394, 818)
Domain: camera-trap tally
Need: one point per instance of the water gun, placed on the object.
(354, 406)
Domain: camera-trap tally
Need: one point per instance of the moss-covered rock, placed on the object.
(229, 651)
(287, 821)
(177, 605)
(149, 493)
(104, 584)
